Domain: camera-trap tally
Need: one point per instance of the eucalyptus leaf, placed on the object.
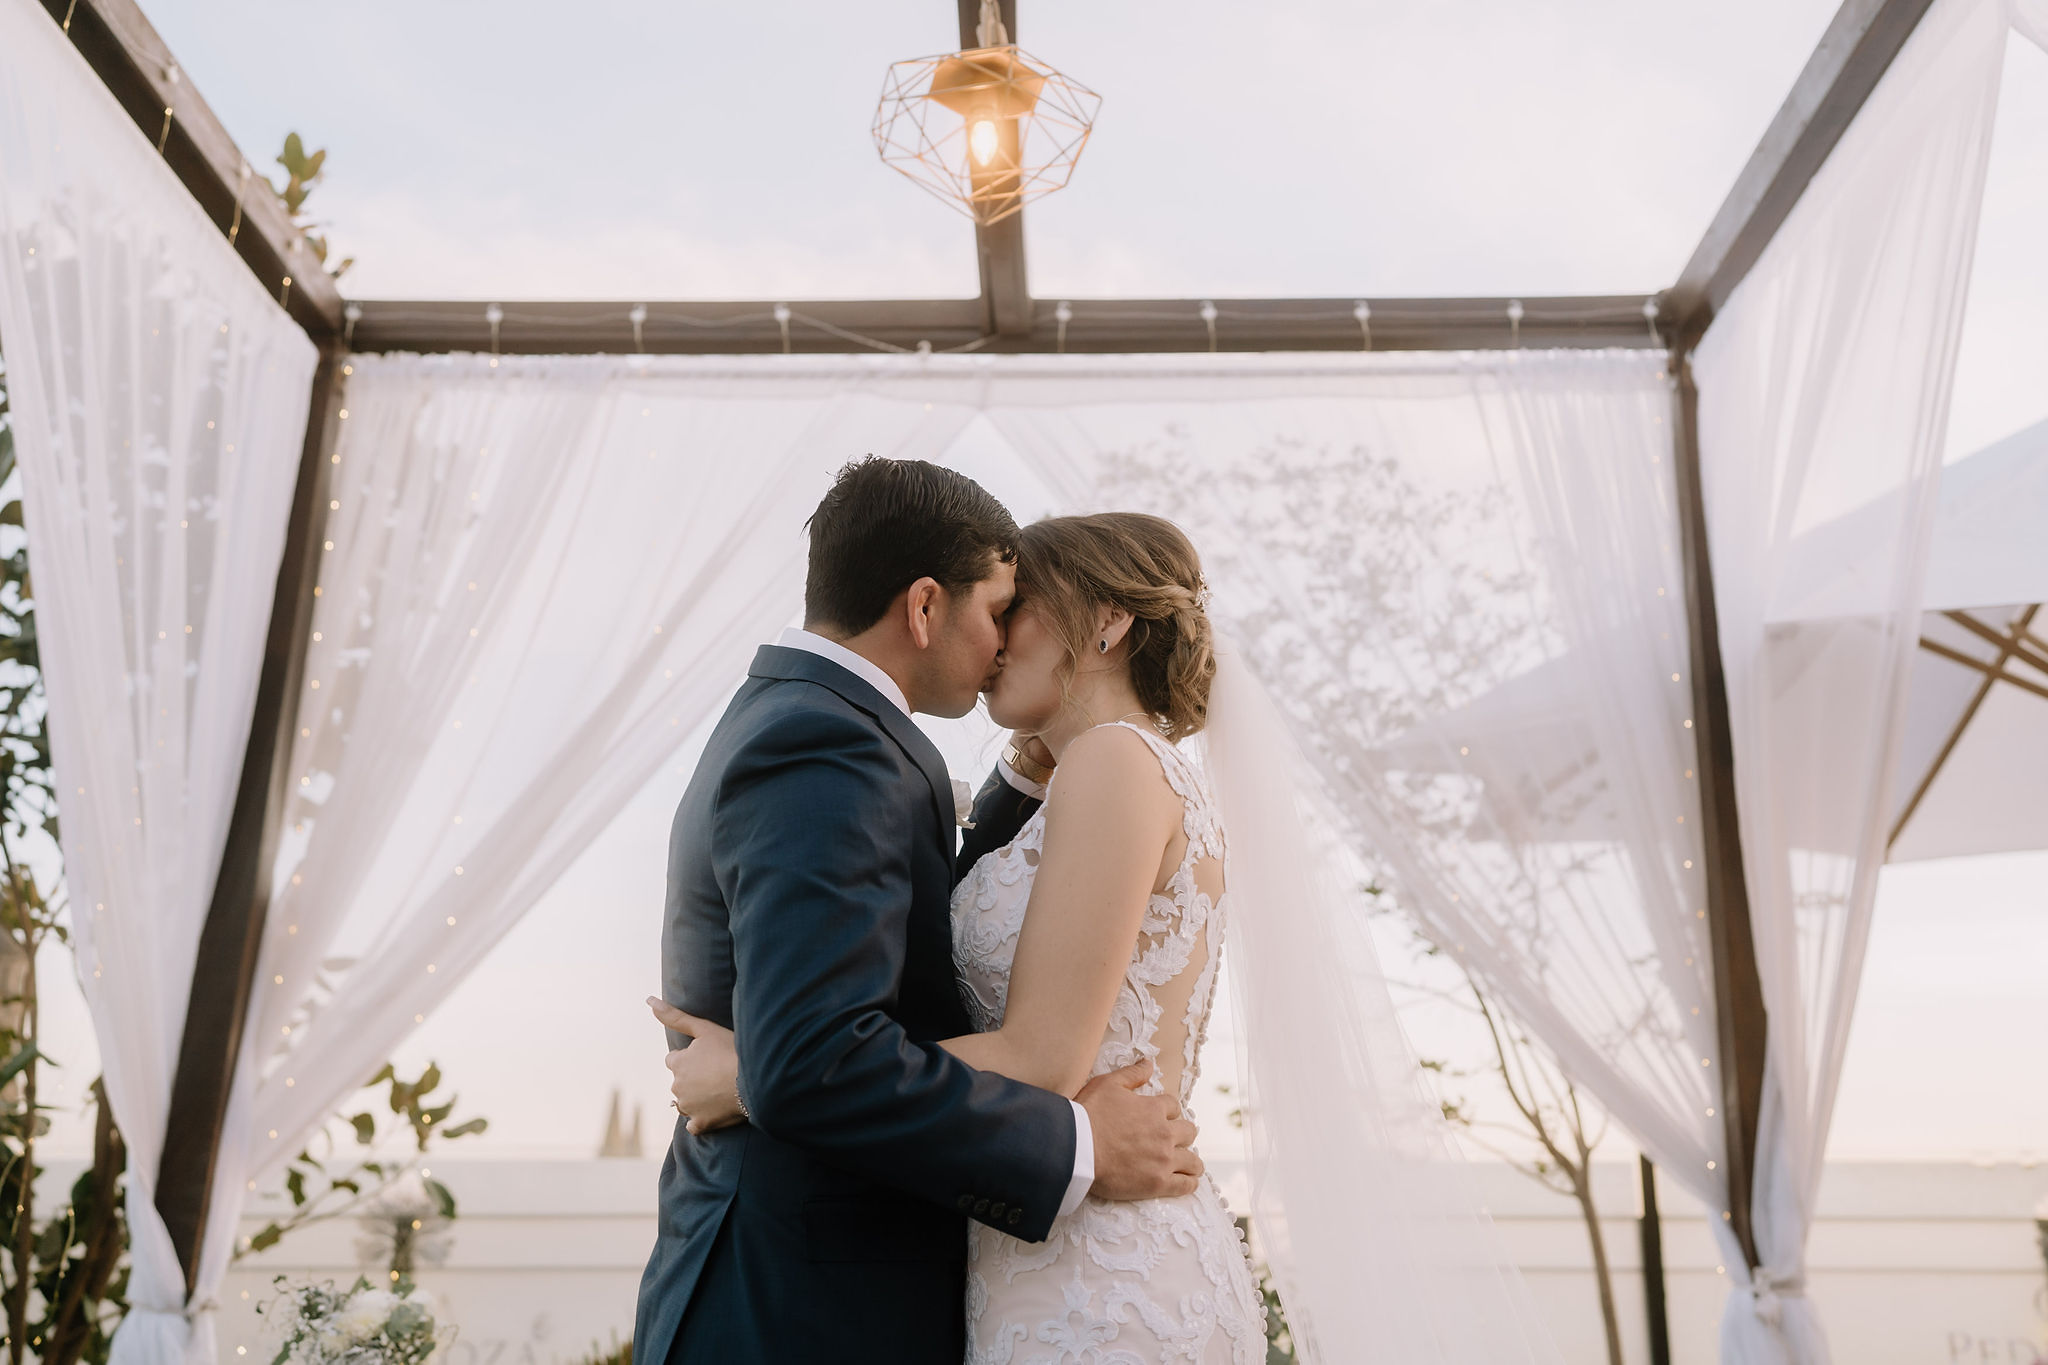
(18, 1063)
(444, 1199)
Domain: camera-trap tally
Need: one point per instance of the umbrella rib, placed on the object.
(1994, 672)
(2009, 643)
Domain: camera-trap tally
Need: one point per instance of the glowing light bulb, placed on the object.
(982, 140)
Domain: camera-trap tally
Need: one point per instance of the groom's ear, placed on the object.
(920, 600)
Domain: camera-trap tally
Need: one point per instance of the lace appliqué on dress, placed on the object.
(1162, 1280)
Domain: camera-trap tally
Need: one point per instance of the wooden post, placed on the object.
(1650, 1230)
(999, 247)
(1739, 1019)
(225, 970)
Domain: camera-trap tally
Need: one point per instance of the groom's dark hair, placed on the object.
(887, 523)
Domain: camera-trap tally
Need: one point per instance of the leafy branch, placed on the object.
(303, 170)
(347, 1180)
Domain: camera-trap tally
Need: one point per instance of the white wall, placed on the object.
(1913, 1264)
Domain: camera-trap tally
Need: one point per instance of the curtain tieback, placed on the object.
(1768, 1287)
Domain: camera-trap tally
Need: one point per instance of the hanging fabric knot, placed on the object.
(1767, 1290)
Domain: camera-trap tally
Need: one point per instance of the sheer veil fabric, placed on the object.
(1377, 1240)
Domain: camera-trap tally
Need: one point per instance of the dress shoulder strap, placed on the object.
(1189, 784)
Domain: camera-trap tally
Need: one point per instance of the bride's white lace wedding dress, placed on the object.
(1160, 1280)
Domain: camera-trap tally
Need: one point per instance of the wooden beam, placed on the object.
(1650, 1235)
(1739, 1019)
(1852, 57)
(999, 247)
(225, 969)
(1117, 326)
(134, 63)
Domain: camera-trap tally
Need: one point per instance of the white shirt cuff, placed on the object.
(1084, 1162)
(1034, 790)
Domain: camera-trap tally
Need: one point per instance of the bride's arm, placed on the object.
(1104, 839)
(1105, 835)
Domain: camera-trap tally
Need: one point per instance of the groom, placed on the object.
(810, 871)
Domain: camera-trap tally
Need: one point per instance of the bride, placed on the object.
(1092, 941)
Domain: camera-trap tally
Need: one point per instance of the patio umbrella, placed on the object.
(1974, 770)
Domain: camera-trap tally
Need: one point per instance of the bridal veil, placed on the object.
(1362, 1207)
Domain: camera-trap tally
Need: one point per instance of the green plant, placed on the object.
(362, 1325)
(330, 1180)
(303, 170)
(621, 1353)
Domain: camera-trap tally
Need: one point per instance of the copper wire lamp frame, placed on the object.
(1039, 118)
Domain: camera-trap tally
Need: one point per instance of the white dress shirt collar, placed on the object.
(864, 669)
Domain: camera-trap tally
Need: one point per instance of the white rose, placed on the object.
(383, 1300)
(364, 1318)
(963, 804)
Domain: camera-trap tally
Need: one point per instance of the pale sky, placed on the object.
(678, 150)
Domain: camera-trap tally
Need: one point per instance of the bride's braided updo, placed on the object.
(1068, 568)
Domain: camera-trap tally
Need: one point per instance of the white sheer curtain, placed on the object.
(159, 406)
(1460, 577)
(544, 573)
(1824, 389)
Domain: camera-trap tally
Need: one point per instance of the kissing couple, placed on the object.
(933, 1102)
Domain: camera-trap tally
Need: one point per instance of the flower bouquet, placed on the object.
(317, 1324)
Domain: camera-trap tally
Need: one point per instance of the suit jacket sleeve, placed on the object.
(819, 932)
(1000, 810)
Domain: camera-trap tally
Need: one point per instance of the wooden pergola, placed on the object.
(139, 70)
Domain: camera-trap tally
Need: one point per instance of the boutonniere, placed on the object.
(963, 804)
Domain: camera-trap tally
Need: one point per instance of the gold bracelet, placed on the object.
(1030, 769)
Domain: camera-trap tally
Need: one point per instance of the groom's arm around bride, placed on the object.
(810, 876)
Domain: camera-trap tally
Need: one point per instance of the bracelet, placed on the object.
(1030, 769)
(741, 1101)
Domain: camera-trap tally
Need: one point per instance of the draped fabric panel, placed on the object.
(1824, 387)
(544, 574)
(1459, 576)
(160, 403)
(2031, 19)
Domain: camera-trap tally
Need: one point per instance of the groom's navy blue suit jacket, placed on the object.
(810, 870)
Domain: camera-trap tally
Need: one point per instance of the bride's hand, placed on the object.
(704, 1077)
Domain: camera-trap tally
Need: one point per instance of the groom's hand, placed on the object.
(1144, 1149)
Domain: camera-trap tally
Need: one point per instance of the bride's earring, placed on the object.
(1102, 646)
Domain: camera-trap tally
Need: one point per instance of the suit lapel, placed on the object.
(778, 661)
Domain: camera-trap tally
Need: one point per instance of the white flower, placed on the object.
(963, 804)
(381, 1299)
(364, 1318)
